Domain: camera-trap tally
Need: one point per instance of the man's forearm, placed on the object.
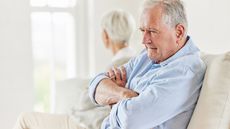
(108, 93)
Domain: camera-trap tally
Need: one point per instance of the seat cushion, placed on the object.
(213, 107)
(68, 94)
(72, 98)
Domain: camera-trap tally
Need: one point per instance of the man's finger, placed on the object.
(111, 74)
(117, 74)
(123, 73)
(107, 74)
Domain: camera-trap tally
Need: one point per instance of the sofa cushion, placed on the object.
(72, 98)
(87, 114)
(68, 94)
(213, 107)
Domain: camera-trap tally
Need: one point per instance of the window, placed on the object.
(54, 47)
(53, 3)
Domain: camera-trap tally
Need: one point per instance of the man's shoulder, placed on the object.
(191, 62)
(142, 55)
(141, 58)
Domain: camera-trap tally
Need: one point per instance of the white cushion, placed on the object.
(88, 114)
(68, 94)
(213, 107)
(72, 98)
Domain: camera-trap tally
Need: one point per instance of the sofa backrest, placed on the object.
(213, 107)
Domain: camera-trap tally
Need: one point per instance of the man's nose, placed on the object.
(146, 37)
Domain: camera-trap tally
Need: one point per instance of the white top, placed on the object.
(121, 57)
(123, 53)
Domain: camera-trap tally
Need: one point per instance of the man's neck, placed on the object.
(183, 42)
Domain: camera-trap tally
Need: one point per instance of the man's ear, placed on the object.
(180, 32)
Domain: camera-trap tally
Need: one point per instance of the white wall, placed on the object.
(16, 83)
(209, 23)
(83, 37)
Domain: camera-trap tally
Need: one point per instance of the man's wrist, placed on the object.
(127, 93)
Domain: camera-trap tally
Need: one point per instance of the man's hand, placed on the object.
(118, 75)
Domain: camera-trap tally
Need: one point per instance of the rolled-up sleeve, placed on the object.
(93, 85)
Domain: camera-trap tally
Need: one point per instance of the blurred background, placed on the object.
(45, 41)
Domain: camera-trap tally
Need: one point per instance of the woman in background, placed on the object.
(117, 28)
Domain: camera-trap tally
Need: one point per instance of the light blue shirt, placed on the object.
(168, 91)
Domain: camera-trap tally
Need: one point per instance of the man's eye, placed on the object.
(142, 30)
(153, 32)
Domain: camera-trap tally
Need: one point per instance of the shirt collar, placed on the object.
(188, 48)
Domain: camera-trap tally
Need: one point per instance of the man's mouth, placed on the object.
(151, 48)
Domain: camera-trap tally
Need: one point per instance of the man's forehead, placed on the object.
(153, 9)
(151, 17)
(148, 22)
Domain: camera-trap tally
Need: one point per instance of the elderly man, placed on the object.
(159, 88)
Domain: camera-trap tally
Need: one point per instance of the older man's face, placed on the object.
(158, 37)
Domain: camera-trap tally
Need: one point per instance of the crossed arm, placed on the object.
(112, 90)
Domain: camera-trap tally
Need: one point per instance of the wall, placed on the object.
(209, 24)
(16, 77)
(83, 36)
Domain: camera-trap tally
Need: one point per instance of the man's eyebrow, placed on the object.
(141, 28)
(149, 29)
(152, 29)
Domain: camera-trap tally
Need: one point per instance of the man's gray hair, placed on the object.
(173, 10)
(119, 25)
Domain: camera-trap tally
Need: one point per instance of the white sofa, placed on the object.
(213, 107)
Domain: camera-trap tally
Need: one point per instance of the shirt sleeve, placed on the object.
(93, 85)
(164, 98)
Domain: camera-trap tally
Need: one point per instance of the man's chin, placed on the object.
(152, 53)
(151, 57)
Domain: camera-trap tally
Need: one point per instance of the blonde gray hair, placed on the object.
(173, 10)
(119, 25)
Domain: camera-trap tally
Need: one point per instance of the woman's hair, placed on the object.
(119, 25)
(173, 11)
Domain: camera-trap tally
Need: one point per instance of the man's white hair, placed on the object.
(173, 11)
(119, 25)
